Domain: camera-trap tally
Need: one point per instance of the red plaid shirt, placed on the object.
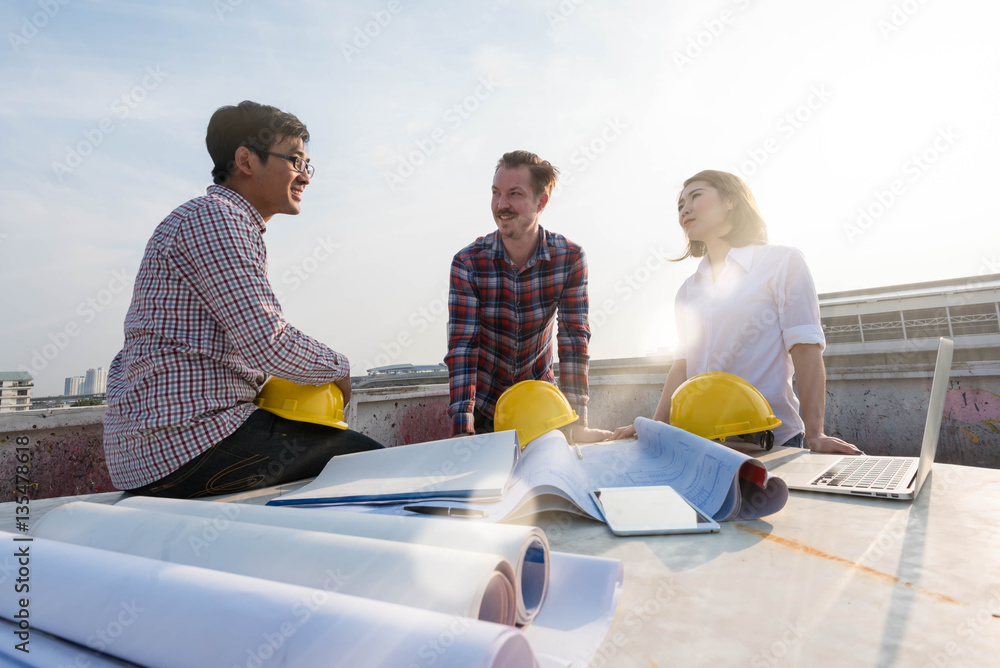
(203, 332)
(501, 320)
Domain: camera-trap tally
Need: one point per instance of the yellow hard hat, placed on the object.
(533, 408)
(323, 404)
(716, 405)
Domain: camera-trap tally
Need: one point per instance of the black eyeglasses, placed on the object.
(298, 163)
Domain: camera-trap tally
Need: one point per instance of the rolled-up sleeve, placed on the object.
(798, 305)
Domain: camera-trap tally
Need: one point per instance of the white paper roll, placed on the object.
(471, 584)
(155, 614)
(525, 547)
(45, 650)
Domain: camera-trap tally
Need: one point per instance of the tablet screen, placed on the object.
(651, 509)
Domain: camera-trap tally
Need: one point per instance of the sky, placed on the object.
(865, 129)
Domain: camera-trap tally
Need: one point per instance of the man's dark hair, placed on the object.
(543, 173)
(256, 126)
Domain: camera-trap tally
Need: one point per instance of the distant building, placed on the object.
(15, 391)
(910, 318)
(74, 386)
(96, 381)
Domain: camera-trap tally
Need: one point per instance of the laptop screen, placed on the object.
(935, 411)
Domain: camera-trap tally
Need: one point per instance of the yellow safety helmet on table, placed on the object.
(322, 404)
(533, 408)
(716, 405)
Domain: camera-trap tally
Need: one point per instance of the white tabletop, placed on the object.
(828, 580)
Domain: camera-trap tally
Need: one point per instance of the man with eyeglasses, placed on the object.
(205, 330)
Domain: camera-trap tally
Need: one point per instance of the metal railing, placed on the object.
(914, 328)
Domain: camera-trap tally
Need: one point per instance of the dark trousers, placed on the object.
(797, 441)
(481, 423)
(266, 450)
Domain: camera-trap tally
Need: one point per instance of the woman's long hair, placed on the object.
(748, 225)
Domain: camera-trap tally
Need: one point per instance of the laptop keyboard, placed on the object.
(865, 473)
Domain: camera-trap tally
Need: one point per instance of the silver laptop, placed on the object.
(881, 477)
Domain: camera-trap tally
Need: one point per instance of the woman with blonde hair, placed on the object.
(749, 309)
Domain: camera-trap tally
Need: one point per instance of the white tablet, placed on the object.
(634, 511)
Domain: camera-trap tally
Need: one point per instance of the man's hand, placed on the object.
(345, 386)
(824, 443)
(582, 434)
(623, 432)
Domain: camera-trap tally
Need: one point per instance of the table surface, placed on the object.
(829, 580)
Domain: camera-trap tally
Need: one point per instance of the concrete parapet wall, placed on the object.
(401, 415)
(886, 417)
(67, 452)
(881, 412)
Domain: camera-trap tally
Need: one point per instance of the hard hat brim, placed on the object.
(291, 415)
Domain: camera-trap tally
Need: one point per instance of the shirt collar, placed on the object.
(496, 249)
(241, 202)
(743, 256)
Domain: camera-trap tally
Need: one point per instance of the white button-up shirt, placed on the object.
(746, 322)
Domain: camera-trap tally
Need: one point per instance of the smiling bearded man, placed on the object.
(506, 289)
(205, 330)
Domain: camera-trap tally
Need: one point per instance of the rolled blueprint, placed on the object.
(471, 584)
(525, 547)
(155, 613)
